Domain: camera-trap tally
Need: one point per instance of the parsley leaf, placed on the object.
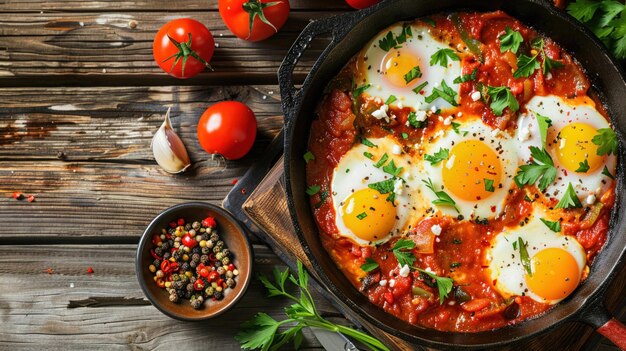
(414, 73)
(323, 197)
(441, 57)
(358, 91)
(382, 161)
(308, 156)
(429, 21)
(444, 284)
(542, 167)
(549, 64)
(606, 141)
(369, 265)
(510, 40)
(419, 88)
(312, 190)
(446, 93)
(466, 77)
(554, 226)
(438, 156)
(384, 187)
(501, 98)
(455, 128)
(392, 169)
(366, 142)
(583, 167)
(607, 173)
(361, 215)
(404, 257)
(583, 10)
(526, 66)
(443, 198)
(544, 123)
(368, 155)
(390, 99)
(414, 122)
(489, 185)
(405, 136)
(569, 199)
(523, 255)
(388, 42)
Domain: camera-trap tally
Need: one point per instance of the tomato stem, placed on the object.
(255, 8)
(184, 51)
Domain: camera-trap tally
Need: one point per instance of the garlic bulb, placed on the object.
(168, 149)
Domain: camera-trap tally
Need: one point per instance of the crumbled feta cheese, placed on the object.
(436, 229)
(459, 114)
(396, 150)
(433, 109)
(495, 132)
(392, 282)
(440, 118)
(405, 270)
(378, 100)
(382, 282)
(451, 303)
(524, 134)
(381, 112)
(420, 116)
(397, 187)
(447, 121)
(427, 269)
(399, 104)
(475, 96)
(591, 199)
(549, 76)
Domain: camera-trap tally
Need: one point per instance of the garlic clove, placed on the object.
(168, 149)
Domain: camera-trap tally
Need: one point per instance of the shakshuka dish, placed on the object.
(461, 171)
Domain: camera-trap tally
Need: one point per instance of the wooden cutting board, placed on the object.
(259, 200)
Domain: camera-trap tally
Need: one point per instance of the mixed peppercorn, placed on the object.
(192, 262)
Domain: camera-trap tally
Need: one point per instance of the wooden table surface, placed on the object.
(80, 97)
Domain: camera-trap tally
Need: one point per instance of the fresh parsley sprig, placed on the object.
(523, 255)
(607, 20)
(510, 40)
(444, 284)
(542, 167)
(438, 156)
(401, 249)
(443, 198)
(445, 92)
(554, 226)
(606, 139)
(544, 123)
(569, 199)
(501, 98)
(414, 73)
(441, 57)
(261, 332)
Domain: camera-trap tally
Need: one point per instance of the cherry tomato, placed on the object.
(227, 128)
(361, 4)
(183, 47)
(254, 20)
(189, 241)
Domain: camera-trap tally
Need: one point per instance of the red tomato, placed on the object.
(189, 241)
(254, 20)
(183, 47)
(227, 128)
(361, 4)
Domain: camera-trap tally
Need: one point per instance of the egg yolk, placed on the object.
(368, 214)
(555, 274)
(396, 64)
(470, 168)
(575, 146)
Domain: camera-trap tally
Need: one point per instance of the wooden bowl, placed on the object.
(234, 237)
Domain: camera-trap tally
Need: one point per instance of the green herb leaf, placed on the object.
(414, 122)
(323, 197)
(443, 199)
(523, 255)
(419, 88)
(368, 155)
(489, 185)
(358, 91)
(388, 42)
(501, 98)
(466, 77)
(366, 142)
(583, 167)
(361, 215)
(550, 64)
(569, 199)
(542, 167)
(554, 226)
(606, 141)
(537, 43)
(258, 332)
(455, 264)
(510, 40)
(607, 173)
(405, 136)
(404, 257)
(429, 21)
(526, 66)
(312, 190)
(414, 73)
(444, 284)
(308, 156)
(369, 265)
(544, 123)
(382, 160)
(385, 187)
(438, 156)
(446, 93)
(583, 10)
(441, 57)
(392, 169)
(391, 99)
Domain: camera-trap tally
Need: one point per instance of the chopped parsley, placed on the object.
(391, 41)
(429, 21)
(438, 156)
(583, 167)
(361, 215)
(510, 40)
(358, 91)
(414, 73)
(526, 66)
(554, 226)
(548, 63)
(455, 128)
(443, 198)
(542, 167)
(369, 265)
(384, 187)
(392, 169)
(368, 155)
(391, 99)
(323, 197)
(419, 88)
(523, 255)
(312, 190)
(501, 98)
(366, 142)
(414, 122)
(455, 264)
(441, 57)
(446, 93)
(382, 161)
(405, 136)
(606, 139)
(544, 123)
(607, 173)
(489, 185)
(569, 199)
(466, 77)
(308, 156)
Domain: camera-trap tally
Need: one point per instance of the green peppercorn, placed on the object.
(202, 230)
(229, 274)
(219, 255)
(225, 260)
(206, 250)
(210, 243)
(209, 291)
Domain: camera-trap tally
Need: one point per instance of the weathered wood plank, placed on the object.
(33, 304)
(82, 124)
(103, 48)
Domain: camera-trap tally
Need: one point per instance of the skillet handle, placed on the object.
(338, 26)
(598, 317)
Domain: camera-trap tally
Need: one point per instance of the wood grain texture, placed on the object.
(35, 304)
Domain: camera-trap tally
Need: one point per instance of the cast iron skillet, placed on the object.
(353, 30)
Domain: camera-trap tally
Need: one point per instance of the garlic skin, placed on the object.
(168, 149)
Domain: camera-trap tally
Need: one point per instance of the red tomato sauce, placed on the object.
(459, 252)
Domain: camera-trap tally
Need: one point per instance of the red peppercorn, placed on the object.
(181, 221)
(235, 181)
(173, 224)
(213, 275)
(90, 270)
(209, 222)
(31, 198)
(189, 241)
(17, 195)
(231, 267)
(198, 284)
